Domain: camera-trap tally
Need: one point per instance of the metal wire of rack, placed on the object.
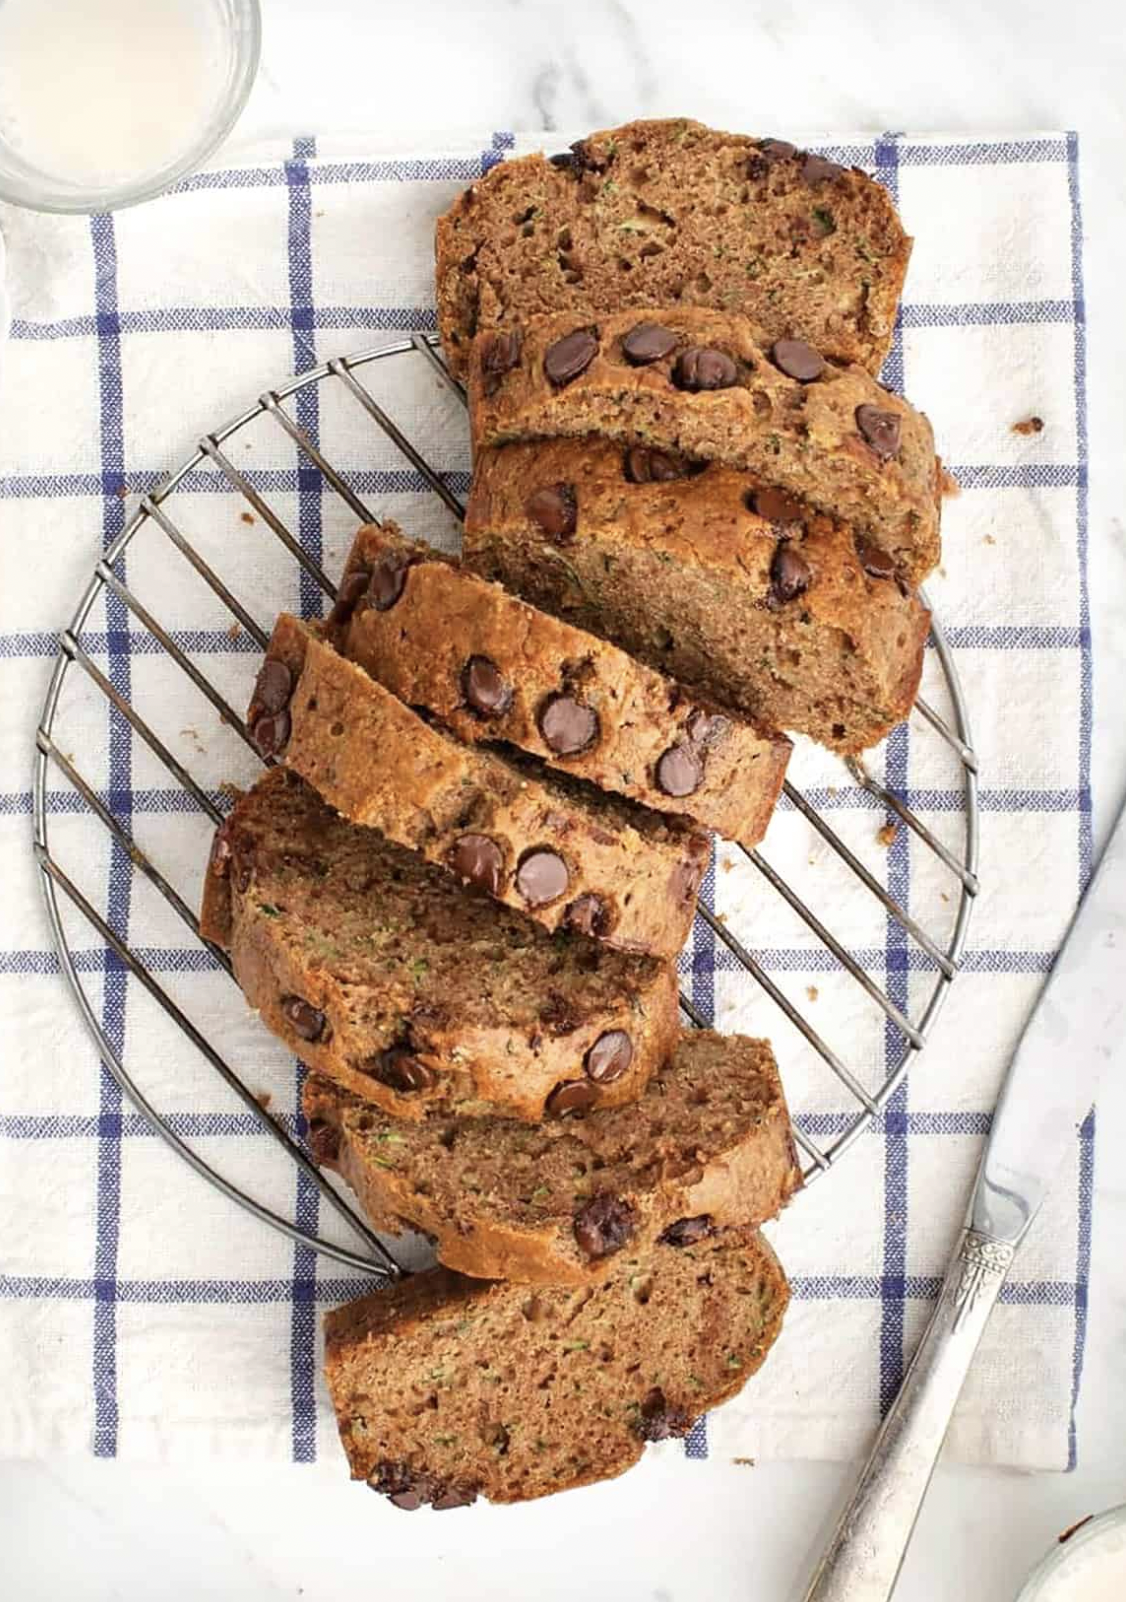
(943, 956)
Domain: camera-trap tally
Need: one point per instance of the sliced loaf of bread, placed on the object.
(670, 212)
(447, 1388)
(708, 1145)
(699, 382)
(705, 572)
(384, 975)
(495, 670)
(569, 855)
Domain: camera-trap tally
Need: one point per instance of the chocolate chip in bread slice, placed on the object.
(383, 974)
(702, 384)
(448, 1388)
(740, 590)
(495, 670)
(670, 212)
(708, 1145)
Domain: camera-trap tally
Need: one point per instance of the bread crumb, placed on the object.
(988, 539)
(263, 1098)
(246, 517)
(235, 630)
(812, 992)
(121, 492)
(1065, 1535)
(727, 863)
(944, 896)
(193, 735)
(832, 789)
(886, 835)
(721, 917)
(948, 485)
(1029, 425)
(749, 1462)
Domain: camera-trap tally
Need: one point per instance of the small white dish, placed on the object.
(1089, 1565)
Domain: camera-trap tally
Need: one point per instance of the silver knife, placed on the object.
(1075, 1030)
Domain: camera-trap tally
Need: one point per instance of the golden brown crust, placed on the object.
(372, 965)
(379, 764)
(681, 573)
(445, 617)
(446, 1388)
(708, 1141)
(662, 211)
(803, 437)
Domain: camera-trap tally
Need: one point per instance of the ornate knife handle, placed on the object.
(866, 1553)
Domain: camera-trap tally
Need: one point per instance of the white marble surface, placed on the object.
(93, 1530)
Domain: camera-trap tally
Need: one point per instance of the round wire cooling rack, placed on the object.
(905, 1027)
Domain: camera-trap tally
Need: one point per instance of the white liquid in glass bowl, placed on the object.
(105, 101)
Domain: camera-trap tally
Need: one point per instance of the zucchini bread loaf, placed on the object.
(708, 1145)
(661, 213)
(384, 975)
(705, 572)
(447, 1388)
(698, 382)
(494, 669)
(567, 854)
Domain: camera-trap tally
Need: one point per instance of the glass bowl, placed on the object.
(235, 30)
(1071, 1562)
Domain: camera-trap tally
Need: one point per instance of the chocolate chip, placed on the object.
(657, 1421)
(797, 360)
(707, 728)
(452, 1496)
(880, 429)
(499, 356)
(684, 881)
(271, 731)
(304, 1019)
(585, 159)
(572, 1095)
(273, 686)
(562, 158)
(555, 509)
(687, 1231)
(603, 1225)
(388, 577)
(570, 356)
(703, 367)
(324, 1142)
(875, 562)
(485, 688)
(643, 466)
(542, 877)
(567, 726)
(352, 587)
(773, 150)
(648, 342)
(478, 860)
(588, 915)
(776, 506)
(789, 574)
(399, 1069)
(816, 170)
(219, 861)
(680, 771)
(609, 1057)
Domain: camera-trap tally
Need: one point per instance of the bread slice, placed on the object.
(570, 856)
(670, 212)
(754, 598)
(447, 1388)
(388, 978)
(708, 1145)
(700, 383)
(493, 669)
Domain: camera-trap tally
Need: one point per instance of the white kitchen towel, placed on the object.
(141, 1312)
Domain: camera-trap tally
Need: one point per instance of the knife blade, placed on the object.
(1075, 1030)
